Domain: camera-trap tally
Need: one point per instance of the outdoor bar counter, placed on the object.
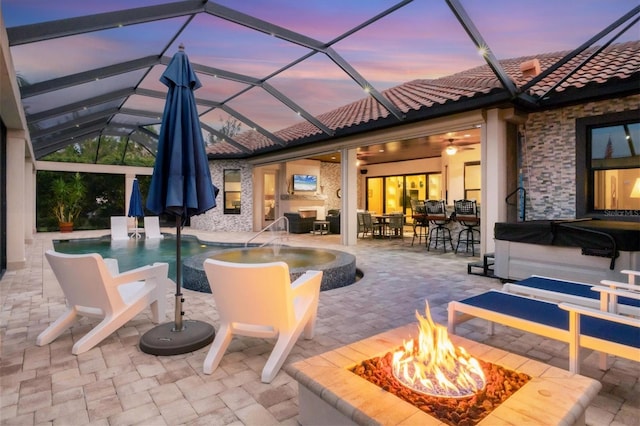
(587, 250)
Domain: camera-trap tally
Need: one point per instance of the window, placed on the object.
(232, 191)
(608, 166)
(472, 181)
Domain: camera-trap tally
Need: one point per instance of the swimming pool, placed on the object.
(339, 267)
(134, 253)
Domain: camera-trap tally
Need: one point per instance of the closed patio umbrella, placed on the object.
(181, 187)
(135, 205)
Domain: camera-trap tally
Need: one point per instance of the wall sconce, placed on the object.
(635, 192)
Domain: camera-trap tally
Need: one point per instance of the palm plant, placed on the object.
(67, 198)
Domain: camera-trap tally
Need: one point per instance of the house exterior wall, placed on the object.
(215, 219)
(548, 168)
(549, 156)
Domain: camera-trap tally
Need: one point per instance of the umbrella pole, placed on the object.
(179, 298)
(177, 337)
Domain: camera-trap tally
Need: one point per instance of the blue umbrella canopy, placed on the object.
(135, 202)
(181, 182)
(180, 186)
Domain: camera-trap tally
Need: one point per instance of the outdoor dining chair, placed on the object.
(361, 228)
(395, 226)
(376, 228)
(420, 222)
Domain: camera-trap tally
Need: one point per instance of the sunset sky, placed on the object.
(422, 39)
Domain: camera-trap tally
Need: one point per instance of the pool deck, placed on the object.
(115, 383)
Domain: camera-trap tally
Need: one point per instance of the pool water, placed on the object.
(294, 257)
(134, 253)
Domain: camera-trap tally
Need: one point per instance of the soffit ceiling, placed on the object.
(90, 69)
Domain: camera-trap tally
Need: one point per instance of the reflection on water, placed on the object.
(294, 257)
(134, 253)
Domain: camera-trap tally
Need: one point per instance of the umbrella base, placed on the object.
(162, 340)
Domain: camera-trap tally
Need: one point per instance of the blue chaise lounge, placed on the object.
(579, 326)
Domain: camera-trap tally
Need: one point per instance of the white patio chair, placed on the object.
(94, 288)
(152, 227)
(259, 300)
(119, 228)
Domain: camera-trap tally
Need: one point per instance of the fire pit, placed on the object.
(433, 365)
(330, 393)
(441, 379)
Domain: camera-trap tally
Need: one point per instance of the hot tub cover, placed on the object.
(584, 233)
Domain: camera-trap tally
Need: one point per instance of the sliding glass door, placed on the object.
(393, 194)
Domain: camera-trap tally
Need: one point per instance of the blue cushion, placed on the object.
(550, 314)
(539, 311)
(573, 289)
(613, 332)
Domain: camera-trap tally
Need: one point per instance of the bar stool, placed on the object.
(437, 216)
(467, 215)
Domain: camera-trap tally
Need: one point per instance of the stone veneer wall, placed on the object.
(215, 219)
(330, 174)
(549, 169)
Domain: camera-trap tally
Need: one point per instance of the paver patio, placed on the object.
(115, 383)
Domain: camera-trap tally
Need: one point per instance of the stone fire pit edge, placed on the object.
(331, 394)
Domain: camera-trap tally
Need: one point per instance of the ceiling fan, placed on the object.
(453, 146)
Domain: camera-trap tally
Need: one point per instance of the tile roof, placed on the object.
(619, 62)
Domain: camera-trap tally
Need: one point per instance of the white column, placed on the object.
(29, 201)
(494, 177)
(349, 189)
(16, 145)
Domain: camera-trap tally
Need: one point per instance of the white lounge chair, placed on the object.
(119, 228)
(152, 227)
(579, 326)
(93, 287)
(602, 296)
(259, 300)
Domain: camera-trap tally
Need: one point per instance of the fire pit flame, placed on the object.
(435, 366)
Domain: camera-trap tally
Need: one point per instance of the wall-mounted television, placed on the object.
(305, 182)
